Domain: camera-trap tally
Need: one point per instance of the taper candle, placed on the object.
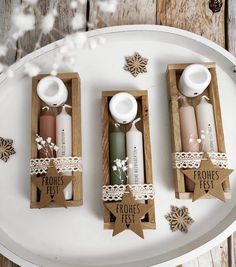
(64, 142)
(47, 127)
(189, 133)
(206, 125)
(134, 146)
(117, 151)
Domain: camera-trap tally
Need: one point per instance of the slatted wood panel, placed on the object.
(6, 8)
(231, 27)
(192, 15)
(127, 12)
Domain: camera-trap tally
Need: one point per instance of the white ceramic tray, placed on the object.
(75, 236)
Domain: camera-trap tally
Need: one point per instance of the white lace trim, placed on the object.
(193, 159)
(63, 164)
(116, 192)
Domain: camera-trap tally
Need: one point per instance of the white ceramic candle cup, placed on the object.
(123, 108)
(52, 91)
(194, 80)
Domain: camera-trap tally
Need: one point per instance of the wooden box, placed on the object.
(143, 111)
(174, 72)
(72, 82)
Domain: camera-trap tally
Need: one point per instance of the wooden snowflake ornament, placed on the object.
(6, 149)
(136, 64)
(179, 219)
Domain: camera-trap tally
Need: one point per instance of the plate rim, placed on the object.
(228, 230)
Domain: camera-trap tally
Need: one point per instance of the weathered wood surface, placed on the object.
(231, 27)
(217, 257)
(6, 8)
(192, 15)
(127, 12)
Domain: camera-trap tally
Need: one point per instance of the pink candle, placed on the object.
(189, 133)
(47, 127)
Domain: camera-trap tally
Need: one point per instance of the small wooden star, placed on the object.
(128, 213)
(208, 179)
(6, 149)
(51, 186)
(136, 64)
(179, 219)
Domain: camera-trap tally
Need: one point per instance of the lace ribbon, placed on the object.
(63, 164)
(193, 159)
(116, 192)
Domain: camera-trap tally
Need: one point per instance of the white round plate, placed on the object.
(75, 236)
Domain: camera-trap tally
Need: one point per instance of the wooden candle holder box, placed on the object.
(72, 83)
(174, 72)
(143, 125)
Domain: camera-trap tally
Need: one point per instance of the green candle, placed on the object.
(118, 170)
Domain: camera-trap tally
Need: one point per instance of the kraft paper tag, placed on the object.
(128, 213)
(208, 179)
(51, 186)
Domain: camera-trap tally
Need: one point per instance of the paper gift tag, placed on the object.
(51, 186)
(128, 213)
(208, 179)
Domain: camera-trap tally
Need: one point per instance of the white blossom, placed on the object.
(3, 50)
(31, 69)
(53, 72)
(1, 67)
(199, 140)
(31, 2)
(124, 168)
(78, 21)
(80, 39)
(38, 139)
(23, 22)
(114, 168)
(101, 40)
(93, 44)
(83, 2)
(48, 23)
(108, 6)
(49, 139)
(39, 147)
(73, 4)
(56, 148)
(10, 73)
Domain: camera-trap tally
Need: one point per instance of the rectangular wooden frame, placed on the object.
(143, 111)
(173, 73)
(72, 82)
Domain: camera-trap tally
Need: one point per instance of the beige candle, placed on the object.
(189, 133)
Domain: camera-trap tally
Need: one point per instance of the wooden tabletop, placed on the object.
(192, 15)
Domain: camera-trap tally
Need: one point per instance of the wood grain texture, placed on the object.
(231, 27)
(217, 257)
(6, 9)
(194, 16)
(4, 262)
(127, 12)
(61, 28)
(232, 250)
